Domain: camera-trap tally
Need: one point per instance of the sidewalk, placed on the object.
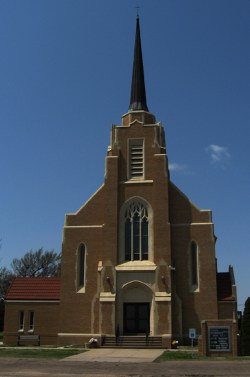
(113, 355)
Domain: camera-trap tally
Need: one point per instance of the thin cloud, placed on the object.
(173, 166)
(218, 153)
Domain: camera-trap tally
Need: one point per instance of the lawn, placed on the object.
(52, 353)
(189, 355)
(178, 355)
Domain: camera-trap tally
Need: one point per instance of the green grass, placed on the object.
(53, 353)
(178, 355)
(182, 355)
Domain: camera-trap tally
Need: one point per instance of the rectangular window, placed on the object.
(21, 320)
(136, 159)
(31, 321)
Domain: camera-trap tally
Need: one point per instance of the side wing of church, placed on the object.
(138, 258)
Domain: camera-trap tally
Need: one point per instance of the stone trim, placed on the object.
(136, 181)
(162, 296)
(80, 335)
(36, 301)
(191, 224)
(107, 297)
(136, 266)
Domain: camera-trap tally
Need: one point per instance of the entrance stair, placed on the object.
(132, 342)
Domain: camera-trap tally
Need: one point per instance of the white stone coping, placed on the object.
(107, 297)
(136, 266)
(162, 296)
(136, 181)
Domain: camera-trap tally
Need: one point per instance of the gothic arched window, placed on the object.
(136, 229)
(81, 266)
(194, 264)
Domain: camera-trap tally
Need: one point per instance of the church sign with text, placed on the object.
(219, 339)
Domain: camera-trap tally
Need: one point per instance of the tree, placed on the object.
(37, 264)
(6, 277)
(245, 329)
(33, 264)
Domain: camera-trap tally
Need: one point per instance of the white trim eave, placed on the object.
(192, 224)
(77, 334)
(33, 301)
(190, 201)
(75, 213)
(84, 226)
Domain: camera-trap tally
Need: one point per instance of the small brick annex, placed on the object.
(137, 258)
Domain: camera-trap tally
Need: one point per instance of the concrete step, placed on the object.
(132, 342)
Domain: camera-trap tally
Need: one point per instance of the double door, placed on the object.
(136, 318)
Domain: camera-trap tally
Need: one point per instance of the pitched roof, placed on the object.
(224, 287)
(27, 288)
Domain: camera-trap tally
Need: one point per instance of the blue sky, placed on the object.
(65, 73)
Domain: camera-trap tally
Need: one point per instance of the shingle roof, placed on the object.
(224, 287)
(47, 288)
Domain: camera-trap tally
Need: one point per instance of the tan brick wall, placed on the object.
(45, 321)
(227, 310)
(176, 222)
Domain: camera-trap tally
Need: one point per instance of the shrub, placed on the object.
(245, 329)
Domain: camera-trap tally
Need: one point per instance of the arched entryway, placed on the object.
(136, 308)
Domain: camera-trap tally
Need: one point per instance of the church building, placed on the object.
(138, 258)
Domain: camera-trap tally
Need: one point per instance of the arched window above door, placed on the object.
(135, 223)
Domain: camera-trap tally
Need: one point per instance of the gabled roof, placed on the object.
(224, 287)
(27, 288)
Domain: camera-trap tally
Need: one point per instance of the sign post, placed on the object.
(192, 335)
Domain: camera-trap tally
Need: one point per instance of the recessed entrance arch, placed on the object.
(135, 307)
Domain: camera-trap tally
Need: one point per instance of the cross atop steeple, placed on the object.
(138, 93)
(137, 9)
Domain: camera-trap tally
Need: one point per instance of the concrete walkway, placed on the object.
(114, 355)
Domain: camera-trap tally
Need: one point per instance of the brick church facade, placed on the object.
(137, 258)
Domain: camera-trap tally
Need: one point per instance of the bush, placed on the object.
(245, 330)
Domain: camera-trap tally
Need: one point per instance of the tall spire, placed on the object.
(138, 93)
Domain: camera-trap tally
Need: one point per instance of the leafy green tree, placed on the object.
(245, 329)
(37, 264)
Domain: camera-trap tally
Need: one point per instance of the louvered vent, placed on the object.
(136, 159)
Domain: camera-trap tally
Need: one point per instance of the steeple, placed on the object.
(138, 93)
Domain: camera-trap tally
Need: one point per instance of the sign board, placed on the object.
(219, 338)
(192, 333)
